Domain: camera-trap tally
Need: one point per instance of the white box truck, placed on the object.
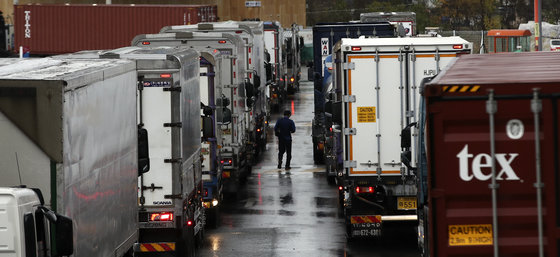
(375, 108)
(230, 95)
(56, 135)
(256, 108)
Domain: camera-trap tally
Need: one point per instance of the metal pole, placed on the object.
(540, 24)
(491, 109)
(536, 107)
(538, 36)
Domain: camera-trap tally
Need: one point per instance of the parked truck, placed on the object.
(405, 20)
(375, 97)
(325, 36)
(273, 39)
(230, 93)
(489, 177)
(293, 44)
(57, 137)
(26, 219)
(171, 213)
(256, 109)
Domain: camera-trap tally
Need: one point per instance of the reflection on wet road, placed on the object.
(295, 213)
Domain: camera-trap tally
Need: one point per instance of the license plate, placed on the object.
(466, 235)
(366, 232)
(406, 203)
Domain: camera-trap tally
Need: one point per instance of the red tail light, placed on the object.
(165, 75)
(189, 223)
(457, 46)
(357, 189)
(356, 48)
(145, 43)
(226, 161)
(222, 41)
(292, 79)
(206, 192)
(163, 216)
(340, 188)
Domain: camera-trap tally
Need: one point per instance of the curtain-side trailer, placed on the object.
(375, 103)
(491, 179)
(57, 135)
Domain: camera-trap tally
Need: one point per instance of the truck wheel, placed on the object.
(331, 179)
(186, 246)
(214, 217)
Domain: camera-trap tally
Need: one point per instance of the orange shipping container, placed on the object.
(56, 29)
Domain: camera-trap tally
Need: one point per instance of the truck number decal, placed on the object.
(483, 160)
(366, 114)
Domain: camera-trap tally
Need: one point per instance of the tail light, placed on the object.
(457, 46)
(162, 216)
(189, 223)
(356, 48)
(292, 79)
(340, 188)
(165, 75)
(365, 190)
(226, 161)
(206, 192)
(222, 41)
(145, 43)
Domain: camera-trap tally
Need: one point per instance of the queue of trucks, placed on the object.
(416, 131)
(189, 113)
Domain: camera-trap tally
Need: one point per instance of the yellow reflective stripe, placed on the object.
(453, 88)
(158, 248)
(475, 88)
(464, 89)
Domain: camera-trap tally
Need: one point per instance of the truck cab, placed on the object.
(29, 225)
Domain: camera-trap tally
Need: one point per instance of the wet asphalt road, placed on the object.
(279, 213)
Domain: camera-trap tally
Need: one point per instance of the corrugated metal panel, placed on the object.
(533, 67)
(56, 29)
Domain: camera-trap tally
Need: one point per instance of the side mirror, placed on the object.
(249, 89)
(207, 110)
(207, 127)
(337, 112)
(406, 136)
(143, 152)
(223, 115)
(64, 236)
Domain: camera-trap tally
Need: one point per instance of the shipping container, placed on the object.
(56, 29)
(493, 156)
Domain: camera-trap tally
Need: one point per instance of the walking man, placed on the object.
(283, 130)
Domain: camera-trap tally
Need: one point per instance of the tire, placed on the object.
(186, 246)
(214, 217)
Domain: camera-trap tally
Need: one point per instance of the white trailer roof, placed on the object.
(76, 72)
(402, 41)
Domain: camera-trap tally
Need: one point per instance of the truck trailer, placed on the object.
(293, 44)
(489, 184)
(375, 97)
(85, 26)
(57, 137)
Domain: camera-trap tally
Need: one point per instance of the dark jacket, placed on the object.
(284, 128)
